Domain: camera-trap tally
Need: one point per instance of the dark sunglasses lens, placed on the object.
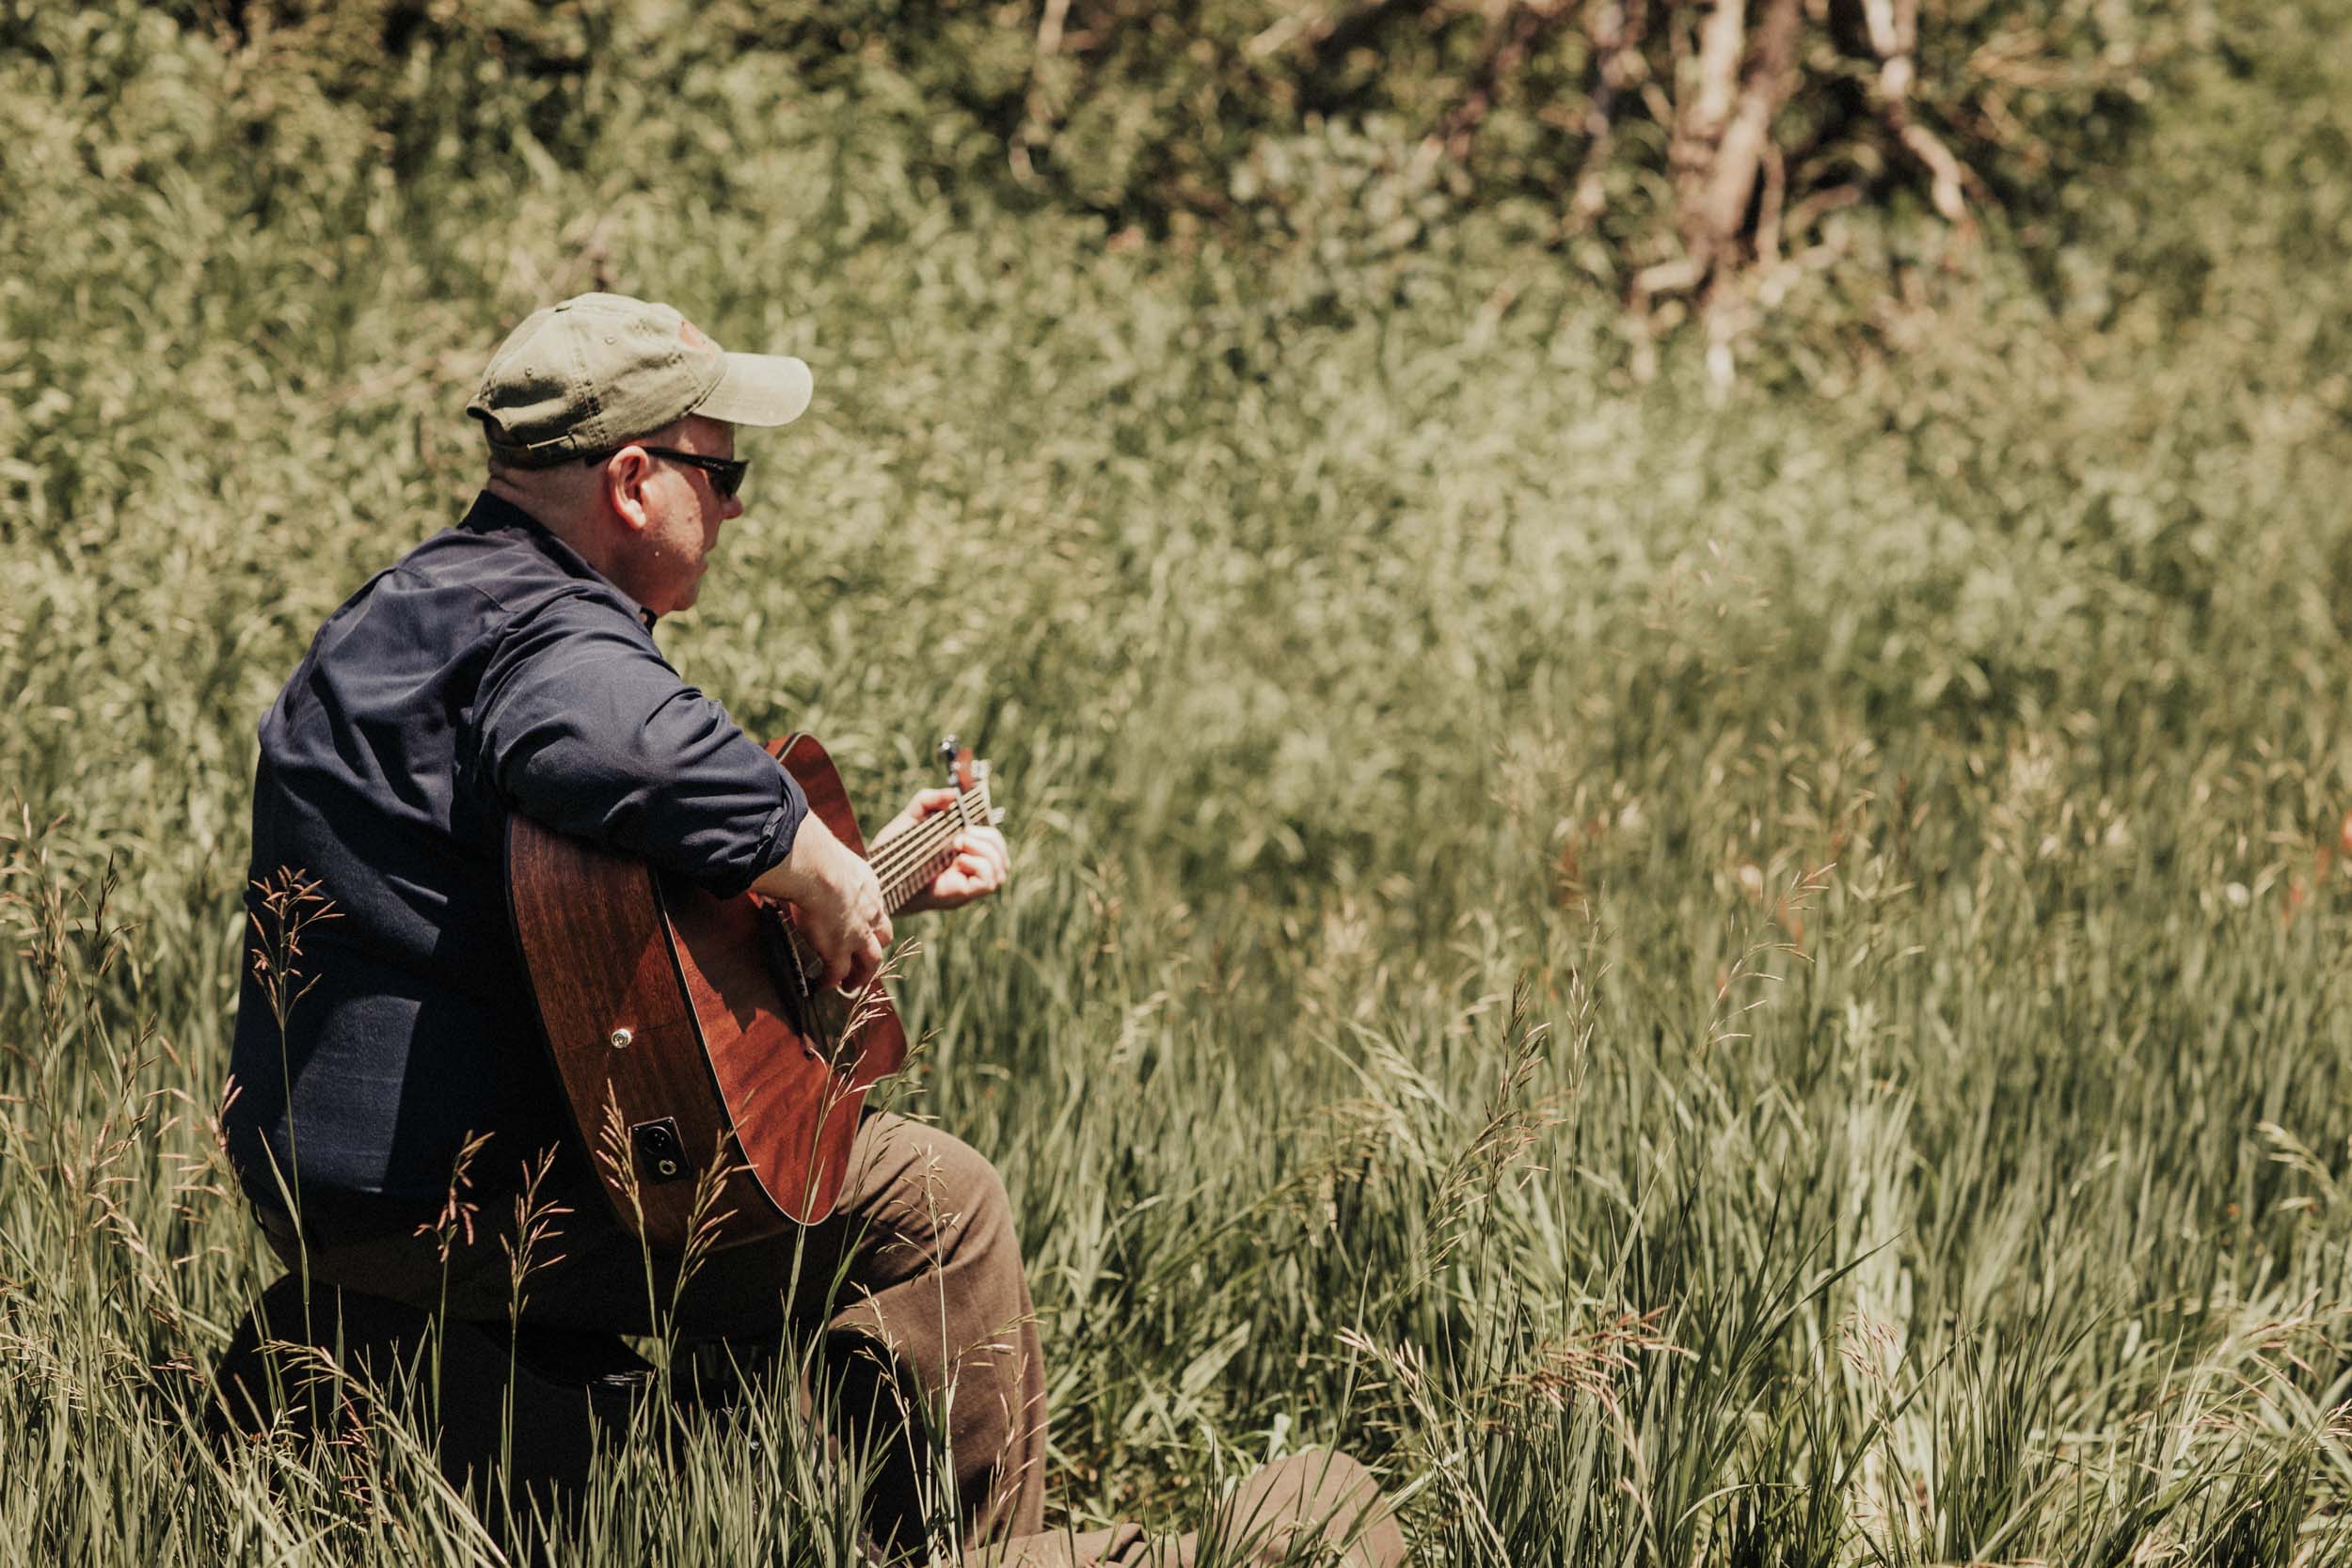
(727, 481)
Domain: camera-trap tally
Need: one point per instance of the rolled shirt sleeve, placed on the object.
(581, 725)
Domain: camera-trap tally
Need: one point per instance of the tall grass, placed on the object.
(1707, 976)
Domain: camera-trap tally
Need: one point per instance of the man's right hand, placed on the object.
(840, 904)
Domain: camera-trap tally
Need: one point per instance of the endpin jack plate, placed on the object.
(660, 1153)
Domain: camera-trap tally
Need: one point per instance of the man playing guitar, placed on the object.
(508, 666)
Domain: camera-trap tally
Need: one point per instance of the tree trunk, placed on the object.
(1735, 86)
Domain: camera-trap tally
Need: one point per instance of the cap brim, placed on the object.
(760, 389)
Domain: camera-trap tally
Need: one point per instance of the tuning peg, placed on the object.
(947, 757)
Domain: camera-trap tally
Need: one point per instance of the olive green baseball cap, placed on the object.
(589, 374)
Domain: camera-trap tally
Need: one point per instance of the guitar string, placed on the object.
(908, 852)
(911, 876)
(911, 847)
(916, 843)
(926, 841)
(895, 895)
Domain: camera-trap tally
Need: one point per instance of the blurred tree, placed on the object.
(1678, 145)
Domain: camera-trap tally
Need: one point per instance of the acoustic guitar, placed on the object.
(715, 1078)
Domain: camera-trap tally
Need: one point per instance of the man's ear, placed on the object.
(625, 476)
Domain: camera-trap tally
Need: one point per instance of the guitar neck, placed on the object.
(908, 861)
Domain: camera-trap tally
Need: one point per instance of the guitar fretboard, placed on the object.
(908, 861)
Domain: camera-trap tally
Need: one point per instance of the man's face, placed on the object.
(666, 558)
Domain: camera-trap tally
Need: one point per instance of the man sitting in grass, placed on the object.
(508, 665)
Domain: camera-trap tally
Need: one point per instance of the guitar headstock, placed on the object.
(968, 777)
(958, 762)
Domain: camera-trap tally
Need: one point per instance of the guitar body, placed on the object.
(690, 1050)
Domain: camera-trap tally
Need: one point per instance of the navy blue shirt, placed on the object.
(491, 670)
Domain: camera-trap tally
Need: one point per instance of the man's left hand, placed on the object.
(981, 861)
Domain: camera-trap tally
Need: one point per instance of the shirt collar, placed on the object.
(491, 513)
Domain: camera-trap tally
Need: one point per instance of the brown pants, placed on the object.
(1314, 1493)
(915, 1287)
(914, 1284)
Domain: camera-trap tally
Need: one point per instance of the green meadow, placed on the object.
(1707, 958)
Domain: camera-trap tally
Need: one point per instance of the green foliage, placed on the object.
(1267, 118)
(1902, 790)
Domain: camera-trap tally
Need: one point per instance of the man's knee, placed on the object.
(930, 1185)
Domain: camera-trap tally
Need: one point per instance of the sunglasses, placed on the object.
(726, 474)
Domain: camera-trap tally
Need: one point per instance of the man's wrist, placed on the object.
(809, 867)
